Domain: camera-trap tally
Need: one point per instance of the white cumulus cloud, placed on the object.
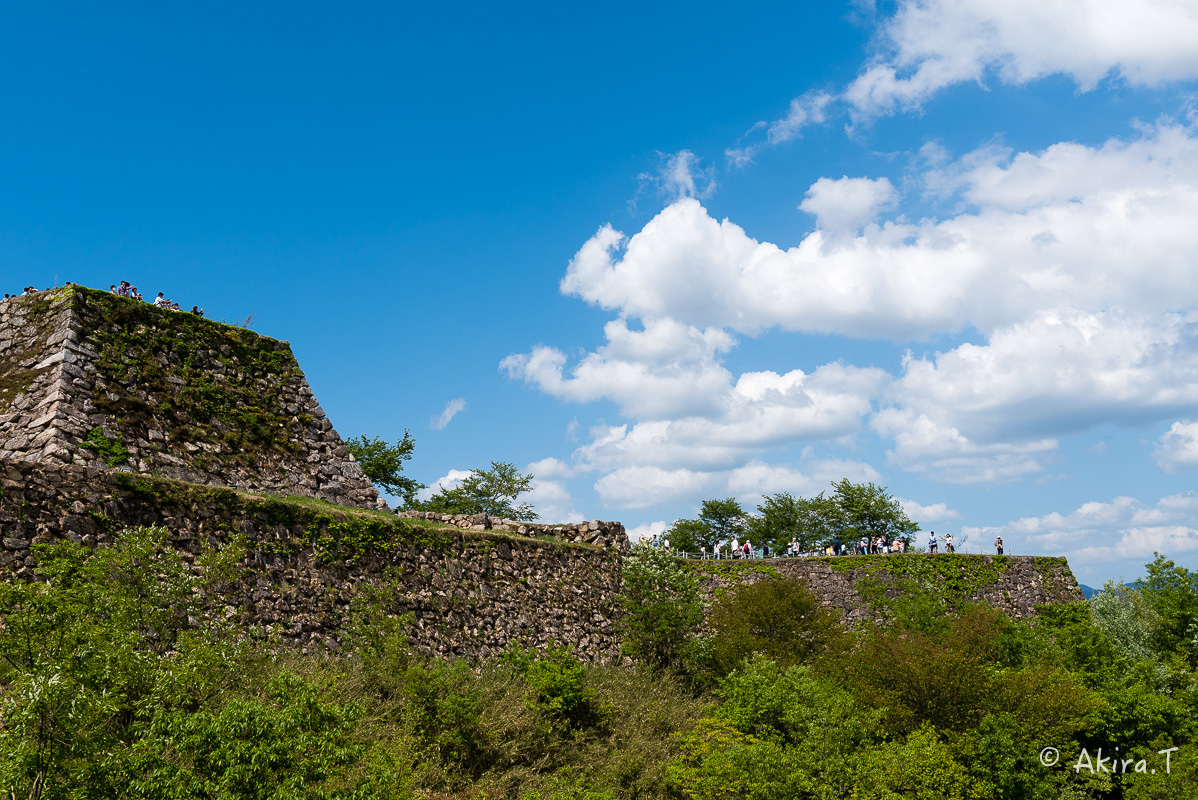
(1074, 264)
(450, 480)
(929, 45)
(847, 204)
(1063, 372)
(647, 530)
(1067, 277)
(1088, 227)
(643, 487)
(927, 514)
(1177, 449)
(666, 369)
(549, 495)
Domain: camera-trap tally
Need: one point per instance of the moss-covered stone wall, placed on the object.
(306, 563)
(90, 378)
(869, 588)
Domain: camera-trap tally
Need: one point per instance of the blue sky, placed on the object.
(656, 255)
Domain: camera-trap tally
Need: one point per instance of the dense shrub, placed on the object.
(778, 617)
(291, 744)
(662, 610)
(1124, 614)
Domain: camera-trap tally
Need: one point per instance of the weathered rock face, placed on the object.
(90, 378)
(597, 532)
(862, 587)
(470, 593)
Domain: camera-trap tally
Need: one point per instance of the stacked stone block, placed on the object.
(597, 532)
(74, 361)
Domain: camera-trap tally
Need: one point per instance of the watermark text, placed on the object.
(1112, 763)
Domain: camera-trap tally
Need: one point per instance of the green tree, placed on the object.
(383, 464)
(487, 491)
(724, 519)
(870, 511)
(1126, 617)
(812, 521)
(1172, 591)
(663, 608)
(688, 535)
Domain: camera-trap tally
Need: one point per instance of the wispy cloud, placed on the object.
(809, 109)
(451, 410)
(680, 175)
(927, 46)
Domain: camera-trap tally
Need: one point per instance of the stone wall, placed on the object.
(862, 587)
(470, 593)
(596, 532)
(90, 378)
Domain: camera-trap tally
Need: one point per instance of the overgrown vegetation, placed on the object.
(777, 617)
(663, 611)
(216, 387)
(119, 680)
(116, 681)
(106, 448)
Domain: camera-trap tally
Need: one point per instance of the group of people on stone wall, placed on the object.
(866, 545)
(25, 291)
(161, 301)
(125, 289)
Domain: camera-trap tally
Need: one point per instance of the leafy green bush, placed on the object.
(291, 744)
(663, 610)
(776, 616)
(558, 685)
(88, 651)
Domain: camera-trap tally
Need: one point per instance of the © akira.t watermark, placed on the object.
(1112, 763)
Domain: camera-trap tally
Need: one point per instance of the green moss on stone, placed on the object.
(200, 381)
(945, 580)
(289, 525)
(731, 569)
(106, 448)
